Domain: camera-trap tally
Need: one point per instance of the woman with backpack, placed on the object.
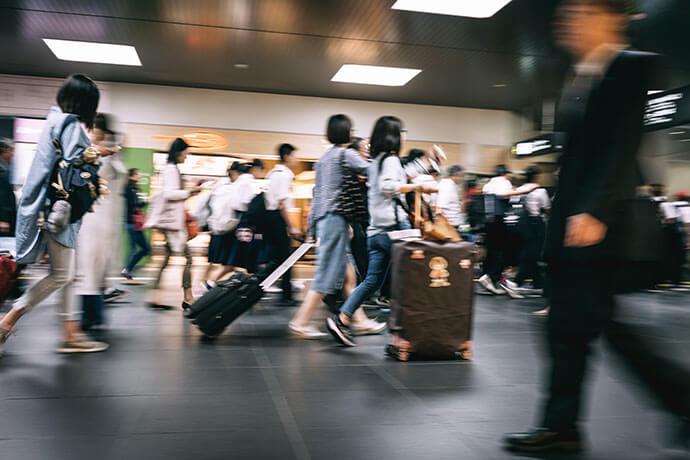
(167, 215)
(67, 125)
(387, 185)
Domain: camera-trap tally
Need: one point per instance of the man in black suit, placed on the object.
(8, 202)
(601, 110)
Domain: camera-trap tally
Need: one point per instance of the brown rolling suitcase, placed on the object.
(432, 300)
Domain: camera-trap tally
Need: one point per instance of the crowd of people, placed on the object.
(362, 197)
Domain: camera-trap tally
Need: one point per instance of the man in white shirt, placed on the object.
(448, 201)
(279, 229)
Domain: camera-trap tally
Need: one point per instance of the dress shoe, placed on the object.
(544, 440)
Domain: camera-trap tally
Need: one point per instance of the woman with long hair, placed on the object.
(333, 272)
(168, 216)
(69, 122)
(387, 183)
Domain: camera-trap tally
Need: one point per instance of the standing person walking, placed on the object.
(331, 228)
(278, 228)
(387, 183)
(8, 202)
(134, 224)
(448, 201)
(77, 104)
(167, 215)
(99, 232)
(601, 110)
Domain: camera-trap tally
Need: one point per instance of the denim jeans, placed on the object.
(380, 247)
(331, 262)
(136, 238)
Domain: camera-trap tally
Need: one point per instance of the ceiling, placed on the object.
(296, 46)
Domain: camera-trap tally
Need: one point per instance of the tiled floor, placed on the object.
(161, 393)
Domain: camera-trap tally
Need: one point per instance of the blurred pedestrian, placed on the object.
(167, 215)
(134, 224)
(69, 122)
(8, 201)
(601, 110)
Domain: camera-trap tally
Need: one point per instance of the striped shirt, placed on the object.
(329, 177)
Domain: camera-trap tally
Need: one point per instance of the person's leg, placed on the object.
(166, 260)
(358, 246)
(225, 269)
(379, 263)
(187, 275)
(62, 272)
(495, 240)
(581, 303)
(668, 380)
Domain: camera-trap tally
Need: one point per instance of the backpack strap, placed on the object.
(57, 140)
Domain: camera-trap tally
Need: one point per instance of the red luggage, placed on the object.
(8, 277)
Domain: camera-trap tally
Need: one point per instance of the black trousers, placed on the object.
(582, 308)
(276, 238)
(530, 252)
(358, 246)
(496, 247)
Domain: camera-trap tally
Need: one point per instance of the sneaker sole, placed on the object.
(69, 351)
(337, 335)
(513, 294)
(370, 331)
(568, 447)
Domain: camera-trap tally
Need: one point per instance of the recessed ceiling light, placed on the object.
(241, 66)
(99, 53)
(654, 91)
(468, 8)
(674, 133)
(500, 85)
(374, 75)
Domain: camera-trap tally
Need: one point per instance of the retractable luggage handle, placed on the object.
(285, 266)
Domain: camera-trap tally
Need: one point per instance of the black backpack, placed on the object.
(76, 182)
(256, 215)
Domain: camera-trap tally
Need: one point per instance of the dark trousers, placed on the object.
(358, 246)
(136, 239)
(496, 243)
(278, 242)
(530, 252)
(582, 307)
(92, 309)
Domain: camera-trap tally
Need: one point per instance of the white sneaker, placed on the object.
(369, 327)
(486, 282)
(307, 333)
(297, 285)
(200, 290)
(512, 289)
(273, 290)
(544, 312)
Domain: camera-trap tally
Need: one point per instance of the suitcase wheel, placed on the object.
(466, 354)
(391, 350)
(403, 356)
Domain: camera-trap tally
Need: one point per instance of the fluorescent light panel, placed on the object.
(467, 8)
(99, 53)
(374, 75)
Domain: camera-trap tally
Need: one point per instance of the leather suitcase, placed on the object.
(432, 300)
(229, 299)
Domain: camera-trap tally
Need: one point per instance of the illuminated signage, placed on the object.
(667, 109)
(542, 145)
(203, 140)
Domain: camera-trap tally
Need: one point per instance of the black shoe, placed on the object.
(155, 306)
(114, 295)
(186, 306)
(544, 440)
(340, 332)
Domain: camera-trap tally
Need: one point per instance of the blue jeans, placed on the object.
(331, 262)
(136, 238)
(380, 247)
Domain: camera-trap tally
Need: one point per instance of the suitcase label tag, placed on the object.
(439, 273)
(417, 254)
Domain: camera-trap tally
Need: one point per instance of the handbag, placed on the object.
(641, 249)
(138, 219)
(436, 227)
(351, 202)
(192, 227)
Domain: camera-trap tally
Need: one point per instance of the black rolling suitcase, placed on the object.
(432, 300)
(223, 304)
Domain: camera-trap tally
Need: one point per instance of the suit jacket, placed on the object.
(8, 202)
(599, 169)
